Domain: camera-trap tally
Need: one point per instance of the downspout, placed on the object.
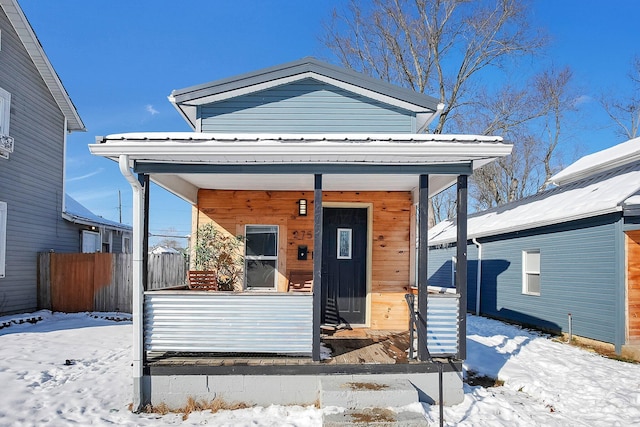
(478, 275)
(432, 117)
(137, 301)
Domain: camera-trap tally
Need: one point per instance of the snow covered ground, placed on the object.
(74, 369)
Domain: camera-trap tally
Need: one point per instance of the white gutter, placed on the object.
(478, 275)
(423, 127)
(137, 309)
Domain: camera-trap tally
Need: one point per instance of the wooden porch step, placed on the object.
(357, 392)
(374, 417)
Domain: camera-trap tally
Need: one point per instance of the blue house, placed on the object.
(567, 254)
(326, 173)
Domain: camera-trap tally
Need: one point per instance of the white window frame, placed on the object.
(262, 258)
(3, 238)
(126, 243)
(97, 238)
(5, 116)
(530, 270)
(106, 236)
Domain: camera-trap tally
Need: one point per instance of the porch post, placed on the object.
(423, 248)
(461, 264)
(317, 265)
(144, 180)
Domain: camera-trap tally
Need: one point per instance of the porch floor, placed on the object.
(348, 347)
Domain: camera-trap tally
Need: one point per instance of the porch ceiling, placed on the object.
(185, 162)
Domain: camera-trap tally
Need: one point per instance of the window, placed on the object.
(531, 272)
(6, 142)
(261, 257)
(126, 245)
(91, 242)
(106, 241)
(3, 237)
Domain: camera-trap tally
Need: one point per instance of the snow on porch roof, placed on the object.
(184, 162)
(211, 148)
(599, 194)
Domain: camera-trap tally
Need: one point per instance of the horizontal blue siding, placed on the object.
(306, 106)
(578, 273)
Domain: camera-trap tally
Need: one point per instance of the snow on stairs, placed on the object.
(367, 402)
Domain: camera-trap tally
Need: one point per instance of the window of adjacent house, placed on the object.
(531, 272)
(106, 241)
(3, 237)
(261, 256)
(5, 110)
(126, 245)
(91, 242)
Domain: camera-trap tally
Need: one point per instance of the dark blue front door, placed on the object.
(344, 265)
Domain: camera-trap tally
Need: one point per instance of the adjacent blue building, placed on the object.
(571, 250)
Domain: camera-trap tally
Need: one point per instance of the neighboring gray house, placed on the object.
(97, 234)
(573, 249)
(35, 116)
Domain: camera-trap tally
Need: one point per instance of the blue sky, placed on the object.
(120, 59)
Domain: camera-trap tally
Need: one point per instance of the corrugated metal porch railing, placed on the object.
(443, 332)
(200, 321)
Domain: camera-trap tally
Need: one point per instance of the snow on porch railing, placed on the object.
(442, 324)
(221, 322)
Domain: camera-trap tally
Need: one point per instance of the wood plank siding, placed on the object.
(31, 179)
(307, 106)
(633, 286)
(391, 211)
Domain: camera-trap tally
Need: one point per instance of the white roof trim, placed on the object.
(36, 52)
(306, 75)
(302, 148)
(189, 108)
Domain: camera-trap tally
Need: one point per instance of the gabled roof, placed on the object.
(186, 100)
(36, 52)
(604, 190)
(616, 156)
(78, 214)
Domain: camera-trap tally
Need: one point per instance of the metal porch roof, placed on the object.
(184, 162)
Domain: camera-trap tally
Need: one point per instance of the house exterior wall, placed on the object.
(306, 106)
(31, 180)
(579, 265)
(390, 264)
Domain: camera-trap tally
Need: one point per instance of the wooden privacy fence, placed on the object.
(99, 282)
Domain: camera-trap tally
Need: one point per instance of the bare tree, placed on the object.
(444, 47)
(433, 46)
(625, 111)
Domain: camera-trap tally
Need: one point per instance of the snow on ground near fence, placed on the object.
(75, 369)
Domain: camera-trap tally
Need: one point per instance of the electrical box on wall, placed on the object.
(302, 252)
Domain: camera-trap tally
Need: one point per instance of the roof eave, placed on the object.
(31, 43)
(186, 100)
(530, 226)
